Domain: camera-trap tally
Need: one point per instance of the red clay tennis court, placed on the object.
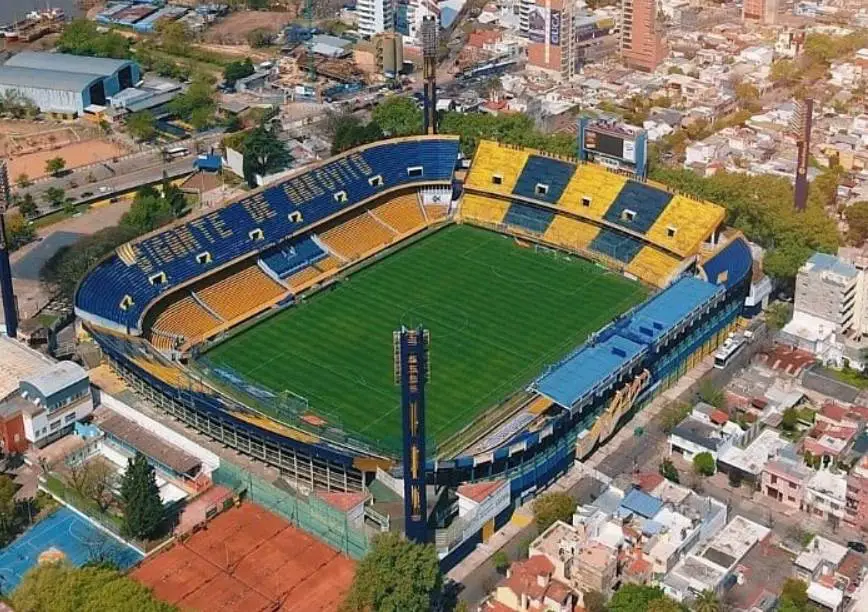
(252, 560)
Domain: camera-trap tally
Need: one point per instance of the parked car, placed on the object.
(859, 547)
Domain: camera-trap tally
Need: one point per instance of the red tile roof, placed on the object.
(479, 491)
(719, 417)
(833, 411)
(648, 481)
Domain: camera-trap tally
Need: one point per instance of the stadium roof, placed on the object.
(586, 368)
(592, 366)
(46, 79)
(668, 308)
(64, 62)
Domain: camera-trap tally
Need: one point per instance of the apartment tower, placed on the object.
(642, 44)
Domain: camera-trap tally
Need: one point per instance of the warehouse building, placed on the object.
(64, 84)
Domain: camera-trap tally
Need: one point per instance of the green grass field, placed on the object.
(498, 313)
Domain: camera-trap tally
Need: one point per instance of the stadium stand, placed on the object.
(483, 209)
(303, 279)
(496, 168)
(637, 206)
(529, 218)
(685, 224)
(186, 319)
(240, 293)
(591, 191)
(730, 264)
(653, 266)
(403, 213)
(289, 258)
(117, 291)
(571, 233)
(436, 212)
(544, 178)
(357, 236)
(613, 244)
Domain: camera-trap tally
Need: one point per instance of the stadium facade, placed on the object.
(155, 301)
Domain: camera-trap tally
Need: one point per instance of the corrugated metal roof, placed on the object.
(57, 378)
(13, 76)
(639, 502)
(64, 62)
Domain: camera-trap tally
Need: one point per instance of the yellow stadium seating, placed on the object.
(240, 293)
(162, 343)
(494, 159)
(402, 214)
(570, 233)
(692, 221)
(597, 186)
(436, 212)
(303, 278)
(327, 264)
(485, 210)
(357, 236)
(185, 318)
(653, 266)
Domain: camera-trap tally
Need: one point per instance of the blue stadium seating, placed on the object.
(646, 202)
(287, 259)
(187, 251)
(730, 265)
(529, 217)
(614, 244)
(538, 170)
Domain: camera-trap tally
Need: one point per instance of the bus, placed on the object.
(176, 152)
(731, 347)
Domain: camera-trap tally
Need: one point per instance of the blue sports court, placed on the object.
(66, 531)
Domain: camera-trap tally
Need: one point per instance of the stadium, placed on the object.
(560, 296)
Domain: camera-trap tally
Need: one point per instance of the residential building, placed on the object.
(642, 44)
(856, 510)
(529, 586)
(764, 11)
(549, 33)
(375, 16)
(747, 463)
(785, 481)
(705, 430)
(826, 495)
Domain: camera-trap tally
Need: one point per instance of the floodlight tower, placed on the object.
(800, 127)
(411, 372)
(429, 74)
(10, 311)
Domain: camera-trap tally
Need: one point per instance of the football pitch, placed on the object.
(498, 313)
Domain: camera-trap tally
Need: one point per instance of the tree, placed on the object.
(398, 116)
(663, 604)
(747, 95)
(703, 464)
(27, 205)
(18, 231)
(54, 197)
(143, 509)
(674, 70)
(794, 593)
(634, 598)
(706, 601)
(60, 587)
(7, 508)
(148, 211)
(82, 37)
(784, 72)
(264, 154)
(396, 575)
(673, 414)
(260, 37)
(142, 126)
(778, 315)
(790, 419)
(55, 165)
(857, 222)
(238, 70)
(552, 507)
(500, 561)
(669, 471)
(23, 181)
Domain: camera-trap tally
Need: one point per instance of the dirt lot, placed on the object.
(233, 29)
(27, 145)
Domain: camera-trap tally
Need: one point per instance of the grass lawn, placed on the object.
(498, 313)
